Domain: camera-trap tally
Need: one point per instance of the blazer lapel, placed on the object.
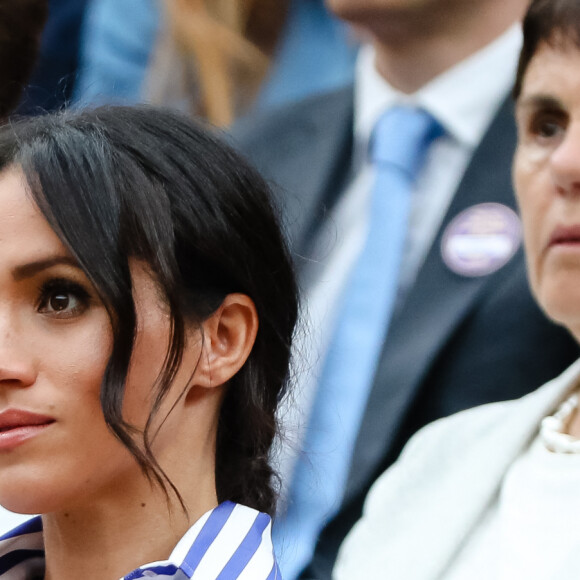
(311, 156)
(438, 302)
(321, 165)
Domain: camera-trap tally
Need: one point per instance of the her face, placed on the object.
(55, 340)
(547, 180)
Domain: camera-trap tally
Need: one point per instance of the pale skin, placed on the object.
(417, 40)
(547, 182)
(101, 516)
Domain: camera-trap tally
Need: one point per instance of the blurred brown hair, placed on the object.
(222, 49)
(21, 24)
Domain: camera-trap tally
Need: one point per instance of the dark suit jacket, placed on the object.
(456, 342)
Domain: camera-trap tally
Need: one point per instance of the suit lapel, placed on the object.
(435, 306)
(311, 156)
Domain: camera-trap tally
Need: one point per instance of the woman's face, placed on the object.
(55, 340)
(547, 180)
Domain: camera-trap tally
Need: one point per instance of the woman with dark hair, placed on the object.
(147, 306)
(492, 492)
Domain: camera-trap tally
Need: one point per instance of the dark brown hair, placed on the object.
(21, 24)
(553, 22)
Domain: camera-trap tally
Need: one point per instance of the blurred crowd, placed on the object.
(217, 59)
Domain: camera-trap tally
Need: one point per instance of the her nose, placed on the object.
(17, 368)
(565, 162)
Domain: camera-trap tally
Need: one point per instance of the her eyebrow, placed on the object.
(32, 268)
(539, 102)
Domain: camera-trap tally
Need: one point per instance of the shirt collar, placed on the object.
(463, 99)
(224, 541)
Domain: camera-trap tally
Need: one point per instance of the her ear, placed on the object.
(228, 337)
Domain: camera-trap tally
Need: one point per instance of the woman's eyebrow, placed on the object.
(539, 102)
(32, 268)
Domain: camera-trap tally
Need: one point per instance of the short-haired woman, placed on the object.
(493, 492)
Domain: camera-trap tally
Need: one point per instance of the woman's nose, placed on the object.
(17, 368)
(565, 163)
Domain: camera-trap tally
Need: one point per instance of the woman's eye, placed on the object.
(63, 299)
(547, 126)
(548, 129)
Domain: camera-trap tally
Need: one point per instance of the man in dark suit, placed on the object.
(464, 328)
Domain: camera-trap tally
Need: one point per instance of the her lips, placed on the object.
(565, 235)
(16, 418)
(18, 426)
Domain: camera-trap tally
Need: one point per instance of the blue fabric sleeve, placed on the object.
(117, 40)
(314, 54)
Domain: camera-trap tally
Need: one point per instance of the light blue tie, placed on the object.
(397, 150)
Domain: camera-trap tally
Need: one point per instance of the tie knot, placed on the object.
(401, 137)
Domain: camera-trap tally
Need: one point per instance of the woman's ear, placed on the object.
(228, 337)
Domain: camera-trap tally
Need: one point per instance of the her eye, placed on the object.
(547, 126)
(547, 129)
(61, 298)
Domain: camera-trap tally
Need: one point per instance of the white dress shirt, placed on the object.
(464, 100)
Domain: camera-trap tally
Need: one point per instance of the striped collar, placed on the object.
(231, 541)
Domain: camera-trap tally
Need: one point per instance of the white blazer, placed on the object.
(419, 512)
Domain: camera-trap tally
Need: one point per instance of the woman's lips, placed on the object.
(17, 426)
(565, 237)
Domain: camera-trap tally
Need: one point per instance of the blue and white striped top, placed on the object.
(229, 542)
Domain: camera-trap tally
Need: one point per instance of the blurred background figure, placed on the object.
(492, 492)
(52, 81)
(21, 24)
(218, 59)
(399, 199)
